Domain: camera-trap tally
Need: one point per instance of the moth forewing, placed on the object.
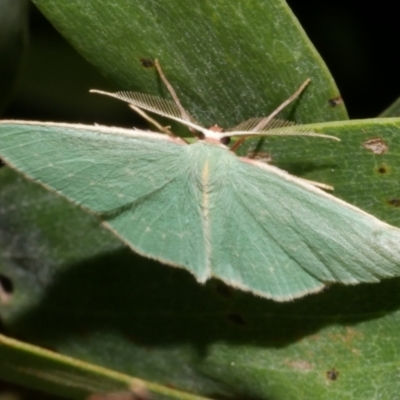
(165, 200)
(287, 238)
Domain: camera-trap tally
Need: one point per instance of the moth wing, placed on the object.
(281, 238)
(136, 181)
(247, 223)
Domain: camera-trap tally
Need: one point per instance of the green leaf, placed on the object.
(67, 377)
(392, 111)
(228, 60)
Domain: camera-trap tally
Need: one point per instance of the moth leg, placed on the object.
(265, 121)
(164, 129)
(184, 114)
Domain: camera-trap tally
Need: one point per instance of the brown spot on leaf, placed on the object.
(332, 374)
(383, 169)
(335, 101)
(394, 202)
(376, 145)
(147, 62)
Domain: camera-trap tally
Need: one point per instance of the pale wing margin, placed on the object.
(281, 238)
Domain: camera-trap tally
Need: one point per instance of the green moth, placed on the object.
(200, 207)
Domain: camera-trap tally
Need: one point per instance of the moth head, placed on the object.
(214, 135)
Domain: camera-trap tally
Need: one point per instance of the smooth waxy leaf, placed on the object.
(228, 60)
(202, 208)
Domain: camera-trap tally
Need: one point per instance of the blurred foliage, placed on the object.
(13, 42)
